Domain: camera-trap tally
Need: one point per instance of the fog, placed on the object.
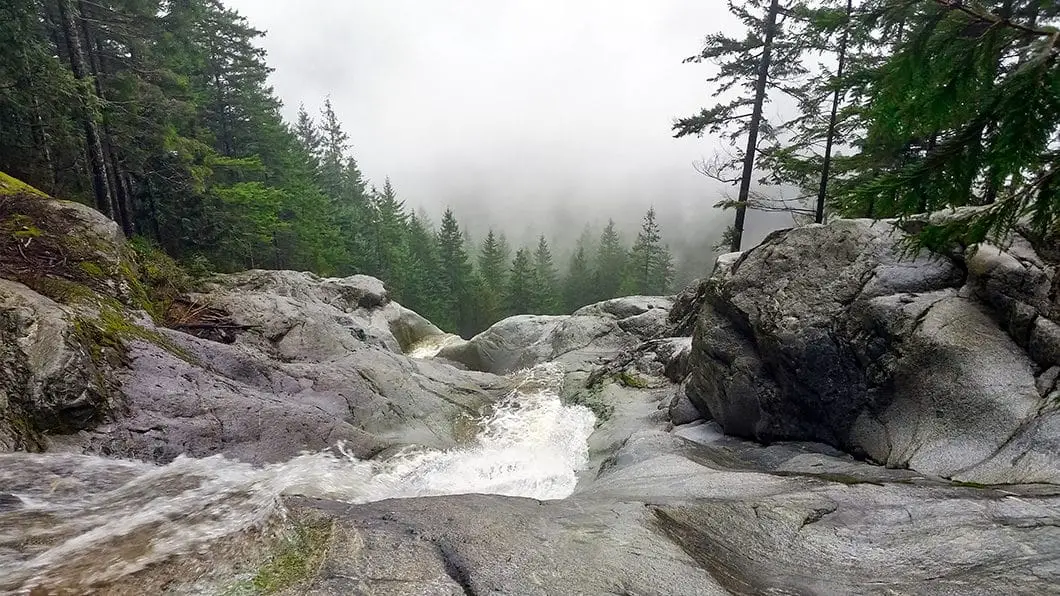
(533, 116)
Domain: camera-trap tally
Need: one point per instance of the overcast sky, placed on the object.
(519, 112)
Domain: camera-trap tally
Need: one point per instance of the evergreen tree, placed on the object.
(519, 297)
(767, 58)
(308, 135)
(457, 276)
(424, 289)
(386, 232)
(578, 284)
(545, 290)
(610, 264)
(493, 268)
(965, 110)
(649, 269)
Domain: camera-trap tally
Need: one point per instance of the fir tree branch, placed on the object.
(992, 19)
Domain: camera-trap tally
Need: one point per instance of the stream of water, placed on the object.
(103, 519)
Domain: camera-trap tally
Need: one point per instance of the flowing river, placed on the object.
(98, 519)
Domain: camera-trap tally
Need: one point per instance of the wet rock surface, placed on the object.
(822, 341)
(831, 333)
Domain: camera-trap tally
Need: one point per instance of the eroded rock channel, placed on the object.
(892, 429)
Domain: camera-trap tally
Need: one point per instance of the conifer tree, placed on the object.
(545, 290)
(766, 59)
(493, 269)
(578, 284)
(965, 110)
(456, 271)
(610, 264)
(649, 269)
(519, 297)
(387, 229)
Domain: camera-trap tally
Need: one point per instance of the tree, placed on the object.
(610, 264)
(544, 291)
(386, 231)
(765, 59)
(963, 111)
(424, 289)
(89, 107)
(493, 268)
(578, 284)
(519, 295)
(308, 135)
(649, 269)
(457, 276)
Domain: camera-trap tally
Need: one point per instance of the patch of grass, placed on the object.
(296, 559)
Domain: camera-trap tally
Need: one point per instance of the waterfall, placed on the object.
(80, 510)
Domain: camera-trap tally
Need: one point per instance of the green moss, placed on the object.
(14, 186)
(160, 279)
(593, 399)
(106, 337)
(296, 559)
(91, 268)
(631, 379)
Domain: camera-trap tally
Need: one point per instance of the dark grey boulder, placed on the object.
(833, 334)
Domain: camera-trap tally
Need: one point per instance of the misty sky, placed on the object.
(540, 114)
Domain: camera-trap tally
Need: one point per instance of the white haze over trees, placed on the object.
(533, 116)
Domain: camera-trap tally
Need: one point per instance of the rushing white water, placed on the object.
(75, 516)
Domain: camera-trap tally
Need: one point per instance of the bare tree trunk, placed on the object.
(756, 124)
(93, 145)
(826, 167)
(119, 199)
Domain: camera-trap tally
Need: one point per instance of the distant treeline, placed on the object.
(158, 113)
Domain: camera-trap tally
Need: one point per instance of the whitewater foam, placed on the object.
(80, 509)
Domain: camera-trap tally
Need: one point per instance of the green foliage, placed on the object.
(649, 268)
(199, 167)
(610, 264)
(544, 289)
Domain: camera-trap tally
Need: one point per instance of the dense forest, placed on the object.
(889, 108)
(159, 113)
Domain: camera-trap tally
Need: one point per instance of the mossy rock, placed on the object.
(13, 186)
(631, 379)
(48, 244)
(294, 561)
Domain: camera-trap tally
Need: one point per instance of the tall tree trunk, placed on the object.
(826, 167)
(93, 144)
(94, 50)
(756, 123)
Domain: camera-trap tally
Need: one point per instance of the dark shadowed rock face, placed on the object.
(827, 333)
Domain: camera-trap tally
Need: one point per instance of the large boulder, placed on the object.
(834, 334)
(316, 362)
(592, 332)
(258, 366)
(56, 369)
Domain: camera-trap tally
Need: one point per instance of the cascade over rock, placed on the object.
(301, 362)
(269, 409)
(941, 364)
